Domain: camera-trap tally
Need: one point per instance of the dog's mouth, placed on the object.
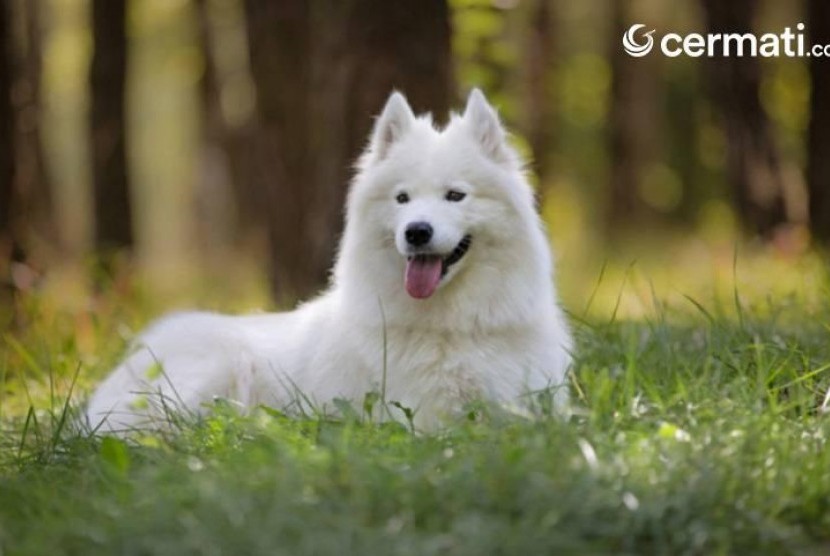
(425, 271)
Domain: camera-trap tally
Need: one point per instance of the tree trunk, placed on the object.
(753, 161)
(32, 185)
(539, 117)
(818, 148)
(279, 35)
(7, 151)
(322, 70)
(634, 113)
(108, 76)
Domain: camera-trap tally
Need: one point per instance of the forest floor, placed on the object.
(698, 429)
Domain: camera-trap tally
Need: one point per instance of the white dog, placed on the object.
(441, 294)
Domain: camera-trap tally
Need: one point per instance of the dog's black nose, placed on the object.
(418, 234)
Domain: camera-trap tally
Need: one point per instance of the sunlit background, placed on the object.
(631, 155)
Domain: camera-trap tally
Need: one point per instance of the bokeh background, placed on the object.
(199, 151)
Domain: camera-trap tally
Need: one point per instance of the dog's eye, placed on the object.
(402, 198)
(454, 196)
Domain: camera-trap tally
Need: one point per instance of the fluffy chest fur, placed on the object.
(434, 372)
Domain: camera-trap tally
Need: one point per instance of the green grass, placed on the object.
(697, 431)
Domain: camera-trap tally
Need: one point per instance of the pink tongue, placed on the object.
(422, 276)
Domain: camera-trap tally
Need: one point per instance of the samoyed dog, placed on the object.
(441, 294)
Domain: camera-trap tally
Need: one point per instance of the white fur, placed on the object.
(492, 331)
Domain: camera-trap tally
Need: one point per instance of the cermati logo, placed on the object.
(631, 45)
(788, 43)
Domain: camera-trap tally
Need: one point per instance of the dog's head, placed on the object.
(440, 198)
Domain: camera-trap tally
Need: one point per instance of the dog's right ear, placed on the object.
(391, 125)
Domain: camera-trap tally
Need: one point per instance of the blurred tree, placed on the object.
(752, 158)
(7, 151)
(633, 120)
(321, 71)
(224, 176)
(690, 184)
(818, 147)
(25, 207)
(32, 184)
(540, 54)
(279, 39)
(108, 127)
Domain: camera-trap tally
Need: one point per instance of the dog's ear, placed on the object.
(484, 124)
(391, 125)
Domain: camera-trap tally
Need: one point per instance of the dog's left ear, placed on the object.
(483, 123)
(392, 124)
